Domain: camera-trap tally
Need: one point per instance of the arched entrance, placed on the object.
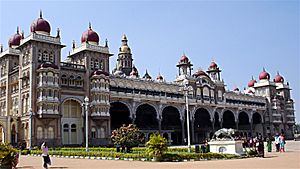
(119, 114)
(72, 122)
(171, 123)
(228, 120)
(243, 124)
(257, 124)
(202, 125)
(146, 117)
(217, 125)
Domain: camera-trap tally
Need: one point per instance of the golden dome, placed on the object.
(125, 49)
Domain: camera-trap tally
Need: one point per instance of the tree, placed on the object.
(127, 136)
(8, 156)
(156, 146)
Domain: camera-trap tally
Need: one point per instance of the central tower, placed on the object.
(125, 57)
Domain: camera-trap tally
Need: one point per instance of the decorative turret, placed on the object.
(147, 76)
(184, 66)
(90, 36)
(214, 71)
(125, 56)
(278, 78)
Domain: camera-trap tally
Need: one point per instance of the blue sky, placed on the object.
(241, 36)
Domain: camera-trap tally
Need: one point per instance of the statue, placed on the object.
(225, 134)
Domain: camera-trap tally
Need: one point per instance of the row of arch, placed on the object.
(171, 120)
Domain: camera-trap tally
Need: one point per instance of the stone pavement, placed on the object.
(288, 160)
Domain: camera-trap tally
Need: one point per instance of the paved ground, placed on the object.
(289, 159)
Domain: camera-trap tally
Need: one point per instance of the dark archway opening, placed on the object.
(202, 125)
(171, 123)
(244, 125)
(217, 125)
(119, 114)
(146, 117)
(257, 124)
(228, 120)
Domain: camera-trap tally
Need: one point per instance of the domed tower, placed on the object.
(14, 41)
(40, 26)
(214, 71)
(184, 66)
(125, 56)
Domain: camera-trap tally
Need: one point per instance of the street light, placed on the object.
(186, 88)
(30, 128)
(86, 104)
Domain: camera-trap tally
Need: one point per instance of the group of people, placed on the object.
(256, 143)
(279, 143)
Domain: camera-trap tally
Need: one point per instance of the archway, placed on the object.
(202, 125)
(146, 117)
(71, 122)
(171, 122)
(119, 114)
(228, 120)
(243, 124)
(257, 124)
(217, 125)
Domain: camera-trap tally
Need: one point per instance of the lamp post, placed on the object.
(186, 88)
(30, 128)
(86, 104)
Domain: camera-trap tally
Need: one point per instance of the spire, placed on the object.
(124, 40)
(58, 31)
(73, 44)
(264, 69)
(41, 14)
(277, 72)
(252, 78)
(90, 26)
(106, 43)
(17, 29)
(22, 34)
(1, 48)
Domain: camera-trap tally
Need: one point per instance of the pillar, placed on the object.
(182, 131)
(192, 131)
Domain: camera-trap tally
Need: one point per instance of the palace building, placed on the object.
(42, 97)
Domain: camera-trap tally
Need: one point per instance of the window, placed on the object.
(93, 134)
(72, 81)
(51, 57)
(73, 128)
(66, 127)
(64, 80)
(50, 133)
(101, 65)
(40, 133)
(102, 132)
(92, 63)
(96, 64)
(40, 56)
(45, 56)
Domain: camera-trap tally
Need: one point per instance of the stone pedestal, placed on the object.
(226, 147)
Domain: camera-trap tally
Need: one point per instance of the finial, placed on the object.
(264, 69)
(41, 14)
(252, 77)
(69, 53)
(90, 25)
(1, 48)
(106, 43)
(287, 83)
(73, 44)
(22, 34)
(17, 29)
(277, 72)
(58, 31)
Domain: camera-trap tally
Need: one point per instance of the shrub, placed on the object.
(25, 152)
(156, 146)
(8, 156)
(252, 152)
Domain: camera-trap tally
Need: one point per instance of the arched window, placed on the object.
(72, 80)
(92, 63)
(50, 133)
(39, 133)
(64, 80)
(51, 57)
(96, 64)
(79, 81)
(205, 92)
(93, 132)
(45, 56)
(40, 56)
(73, 128)
(102, 132)
(101, 65)
(66, 127)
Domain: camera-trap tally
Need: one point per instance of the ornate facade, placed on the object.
(34, 79)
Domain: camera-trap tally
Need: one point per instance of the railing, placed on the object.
(72, 66)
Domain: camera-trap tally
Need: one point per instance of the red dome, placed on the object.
(90, 35)
(251, 83)
(40, 24)
(213, 65)
(15, 39)
(200, 73)
(278, 78)
(264, 75)
(184, 58)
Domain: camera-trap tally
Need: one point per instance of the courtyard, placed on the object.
(274, 160)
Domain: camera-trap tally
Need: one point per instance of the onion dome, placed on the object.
(99, 72)
(278, 78)
(47, 65)
(264, 75)
(159, 77)
(41, 25)
(147, 76)
(15, 39)
(200, 73)
(213, 65)
(251, 82)
(184, 58)
(90, 36)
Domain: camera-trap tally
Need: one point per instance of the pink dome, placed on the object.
(251, 83)
(90, 35)
(278, 78)
(213, 65)
(184, 58)
(40, 24)
(15, 39)
(264, 75)
(200, 73)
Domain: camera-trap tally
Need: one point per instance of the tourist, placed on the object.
(45, 155)
(282, 143)
(277, 142)
(269, 144)
(260, 147)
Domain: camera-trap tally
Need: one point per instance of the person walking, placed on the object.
(269, 144)
(45, 155)
(277, 142)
